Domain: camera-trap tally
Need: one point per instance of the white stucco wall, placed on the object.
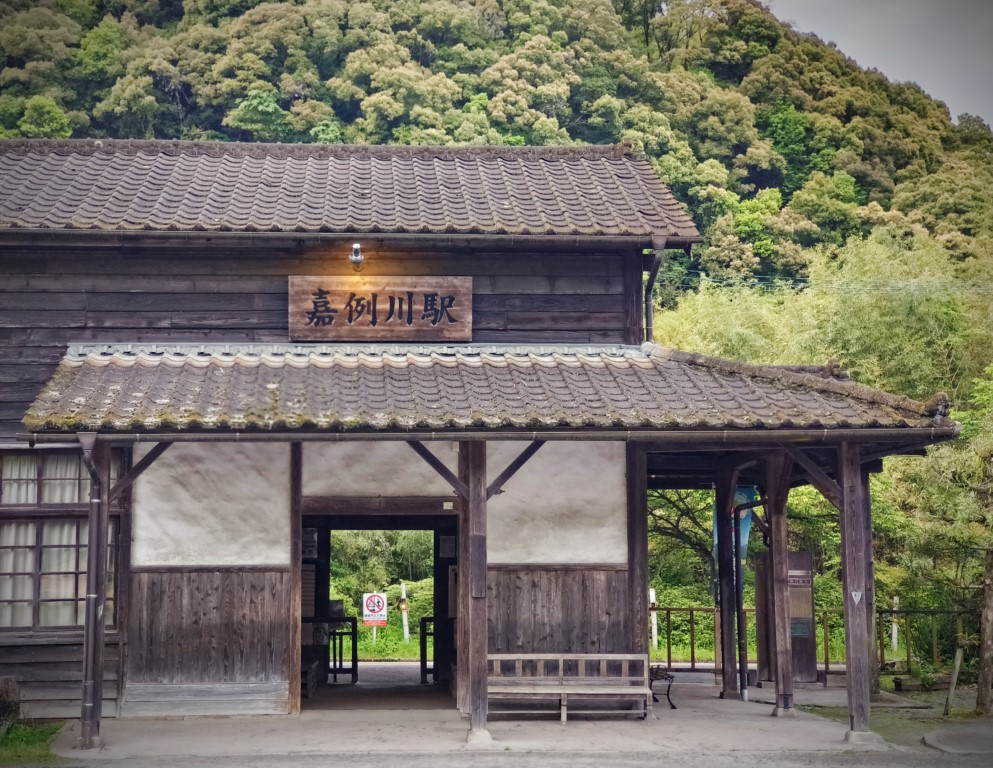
(222, 504)
(568, 504)
(366, 468)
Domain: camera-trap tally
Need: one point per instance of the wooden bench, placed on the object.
(565, 676)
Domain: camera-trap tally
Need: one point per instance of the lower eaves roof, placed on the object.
(348, 389)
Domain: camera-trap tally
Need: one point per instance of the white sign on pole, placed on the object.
(374, 609)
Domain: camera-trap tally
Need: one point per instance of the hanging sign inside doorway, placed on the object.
(374, 609)
(380, 308)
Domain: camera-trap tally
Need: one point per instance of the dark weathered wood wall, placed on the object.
(558, 609)
(49, 671)
(208, 642)
(203, 292)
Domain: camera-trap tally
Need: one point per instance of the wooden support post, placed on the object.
(637, 483)
(96, 457)
(855, 586)
(475, 460)
(870, 588)
(726, 481)
(296, 581)
(462, 626)
(776, 492)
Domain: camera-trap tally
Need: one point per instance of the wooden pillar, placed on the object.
(462, 586)
(96, 456)
(870, 588)
(296, 606)
(725, 489)
(637, 484)
(475, 459)
(776, 492)
(855, 585)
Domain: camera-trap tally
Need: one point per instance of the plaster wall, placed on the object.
(213, 504)
(567, 505)
(366, 468)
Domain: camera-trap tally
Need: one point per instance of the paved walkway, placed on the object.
(424, 721)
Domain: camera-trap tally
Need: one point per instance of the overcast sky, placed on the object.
(945, 46)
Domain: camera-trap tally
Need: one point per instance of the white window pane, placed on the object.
(59, 559)
(18, 479)
(16, 587)
(17, 534)
(108, 613)
(59, 533)
(55, 586)
(60, 614)
(60, 480)
(15, 614)
(16, 560)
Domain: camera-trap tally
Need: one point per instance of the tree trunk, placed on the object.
(984, 698)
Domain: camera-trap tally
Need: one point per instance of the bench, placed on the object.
(564, 676)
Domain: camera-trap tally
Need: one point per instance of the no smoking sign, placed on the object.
(374, 609)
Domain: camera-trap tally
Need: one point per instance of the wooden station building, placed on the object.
(207, 348)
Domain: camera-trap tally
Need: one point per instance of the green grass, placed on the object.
(24, 744)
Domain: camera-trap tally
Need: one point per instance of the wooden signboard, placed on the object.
(380, 308)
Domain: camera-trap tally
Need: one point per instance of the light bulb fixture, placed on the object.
(356, 257)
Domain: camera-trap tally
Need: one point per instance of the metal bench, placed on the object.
(661, 672)
(564, 676)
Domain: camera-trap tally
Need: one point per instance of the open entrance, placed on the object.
(355, 560)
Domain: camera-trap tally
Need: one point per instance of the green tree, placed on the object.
(44, 119)
(949, 496)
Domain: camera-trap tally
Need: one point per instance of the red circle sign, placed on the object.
(374, 604)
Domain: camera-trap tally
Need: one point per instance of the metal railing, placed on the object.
(427, 630)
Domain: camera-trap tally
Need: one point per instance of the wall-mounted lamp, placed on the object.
(356, 257)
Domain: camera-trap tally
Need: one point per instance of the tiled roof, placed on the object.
(339, 389)
(121, 186)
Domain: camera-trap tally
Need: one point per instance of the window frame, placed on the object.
(39, 513)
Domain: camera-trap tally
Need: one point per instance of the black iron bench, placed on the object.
(661, 672)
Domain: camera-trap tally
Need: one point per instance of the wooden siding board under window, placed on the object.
(205, 293)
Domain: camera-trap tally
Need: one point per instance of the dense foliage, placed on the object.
(844, 216)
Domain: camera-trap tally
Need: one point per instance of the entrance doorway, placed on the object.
(341, 666)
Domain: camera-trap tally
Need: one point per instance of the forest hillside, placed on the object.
(845, 216)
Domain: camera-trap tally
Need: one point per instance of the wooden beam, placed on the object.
(724, 499)
(396, 506)
(135, 472)
(637, 493)
(438, 466)
(497, 485)
(855, 587)
(478, 635)
(296, 581)
(776, 493)
(820, 479)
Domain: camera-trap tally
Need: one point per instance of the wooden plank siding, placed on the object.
(50, 674)
(558, 608)
(51, 296)
(208, 641)
(209, 626)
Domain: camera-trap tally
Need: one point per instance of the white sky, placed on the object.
(945, 46)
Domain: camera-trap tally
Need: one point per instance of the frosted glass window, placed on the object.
(43, 573)
(19, 479)
(49, 478)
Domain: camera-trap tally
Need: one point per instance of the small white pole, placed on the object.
(403, 612)
(655, 618)
(894, 632)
